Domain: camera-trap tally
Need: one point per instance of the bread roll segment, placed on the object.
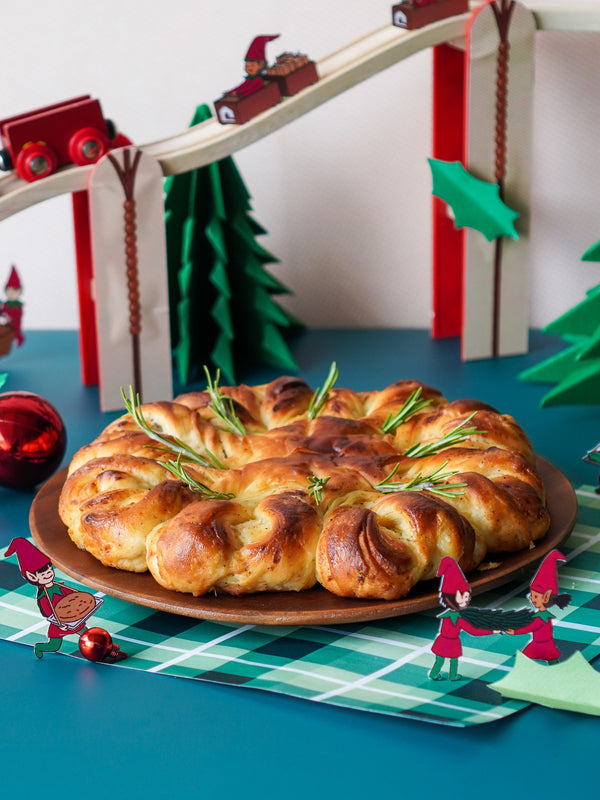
(269, 530)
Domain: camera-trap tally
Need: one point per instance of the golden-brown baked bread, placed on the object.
(267, 530)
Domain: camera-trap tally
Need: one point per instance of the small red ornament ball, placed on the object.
(95, 644)
(32, 439)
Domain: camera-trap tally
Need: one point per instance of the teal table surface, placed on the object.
(93, 730)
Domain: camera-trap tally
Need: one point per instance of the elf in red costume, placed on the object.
(39, 571)
(543, 594)
(455, 596)
(12, 308)
(255, 66)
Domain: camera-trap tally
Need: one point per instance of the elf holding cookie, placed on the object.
(66, 616)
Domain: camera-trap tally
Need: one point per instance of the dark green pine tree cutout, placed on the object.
(221, 295)
(576, 369)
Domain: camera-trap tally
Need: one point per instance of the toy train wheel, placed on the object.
(35, 161)
(87, 146)
(6, 163)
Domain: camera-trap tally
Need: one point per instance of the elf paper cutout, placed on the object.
(255, 63)
(64, 618)
(475, 203)
(455, 596)
(542, 595)
(11, 310)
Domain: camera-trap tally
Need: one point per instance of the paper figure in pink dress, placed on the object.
(543, 594)
(455, 596)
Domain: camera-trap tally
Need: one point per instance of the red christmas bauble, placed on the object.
(32, 439)
(95, 644)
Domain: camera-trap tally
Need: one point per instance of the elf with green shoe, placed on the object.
(455, 596)
(38, 570)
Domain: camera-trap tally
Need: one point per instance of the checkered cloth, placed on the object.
(381, 666)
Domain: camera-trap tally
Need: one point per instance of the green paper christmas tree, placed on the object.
(220, 292)
(575, 370)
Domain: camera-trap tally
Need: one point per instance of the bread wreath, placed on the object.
(266, 530)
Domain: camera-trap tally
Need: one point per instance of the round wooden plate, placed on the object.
(313, 607)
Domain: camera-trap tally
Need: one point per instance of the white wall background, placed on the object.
(344, 191)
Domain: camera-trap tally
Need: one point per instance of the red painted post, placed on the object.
(448, 145)
(88, 338)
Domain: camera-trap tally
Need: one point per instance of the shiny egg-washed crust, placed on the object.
(124, 507)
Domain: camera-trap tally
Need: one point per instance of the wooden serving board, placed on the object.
(316, 606)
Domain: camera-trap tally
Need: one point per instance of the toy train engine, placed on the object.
(37, 143)
(413, 14)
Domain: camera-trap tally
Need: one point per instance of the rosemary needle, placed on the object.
(316, 486)
(320, 396)
(223, 405)
(455, 436)
(177, 469)
(434, 482)
(171, 445)
(412, 405)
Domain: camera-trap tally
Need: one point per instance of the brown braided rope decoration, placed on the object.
(127, 174)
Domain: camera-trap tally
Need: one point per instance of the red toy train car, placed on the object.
(413, 14)
(291, 73)
(37, 143)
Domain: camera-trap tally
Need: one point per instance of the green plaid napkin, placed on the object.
(380, 667)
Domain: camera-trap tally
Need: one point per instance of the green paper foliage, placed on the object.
(476, 204)
(572, 685)
(220, 291)
(592, 253)
(3, 378)
(576, 369)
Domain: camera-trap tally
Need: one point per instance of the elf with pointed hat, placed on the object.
(37, 569)
(543, 593)
(12, 307)
(455, 595)
(255, 62)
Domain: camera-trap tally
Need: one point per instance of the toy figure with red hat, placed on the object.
(37, 569)
(12, 308)
(255, 63)
(543, 594)
(455, 596)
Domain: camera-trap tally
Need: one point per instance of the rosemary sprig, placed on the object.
(223, 405)
(455, 436)
(172, 445)
(316, 486)
(177, 469)
(434, 482)
(412, 405)
(320, 396)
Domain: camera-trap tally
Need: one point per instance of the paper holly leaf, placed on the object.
(3, 377)
(572, 685)
(476, 204)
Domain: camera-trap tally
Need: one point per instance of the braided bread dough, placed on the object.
(123, 506)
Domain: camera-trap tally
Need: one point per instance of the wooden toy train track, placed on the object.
(341, 70)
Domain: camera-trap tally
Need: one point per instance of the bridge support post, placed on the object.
(88, 338)
(500, 50)
(448, 145)
(130, 277)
